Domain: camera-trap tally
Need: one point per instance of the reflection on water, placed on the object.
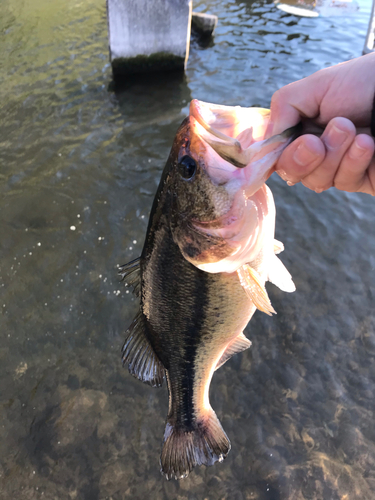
(80, 162)
(315, 8)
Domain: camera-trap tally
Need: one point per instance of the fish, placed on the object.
(209, 249)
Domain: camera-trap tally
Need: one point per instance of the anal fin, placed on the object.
(140, 356)
(239, 344)
(251, 283)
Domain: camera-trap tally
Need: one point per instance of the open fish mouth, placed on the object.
(230, 141)
(228, 144)
(237, 134)
(229, 202)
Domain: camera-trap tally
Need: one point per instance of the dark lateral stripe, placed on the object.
(182, 375)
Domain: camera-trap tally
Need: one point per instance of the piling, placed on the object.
(203, 24)
(148, 35)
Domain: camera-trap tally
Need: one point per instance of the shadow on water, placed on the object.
(152, 99)
(171, 81)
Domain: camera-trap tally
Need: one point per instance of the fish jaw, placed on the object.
(248, 159)
(246, 125)
(246, 236)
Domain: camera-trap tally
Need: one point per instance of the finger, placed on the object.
(300, 158)
(337, 138)
(296, 100)
(353, 174)
(368, 185)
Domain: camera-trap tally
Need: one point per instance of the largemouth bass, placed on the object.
(208, 252)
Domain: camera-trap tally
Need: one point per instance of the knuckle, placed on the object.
(275, 99)
(317, 184)
(278, 97)
(345, 186)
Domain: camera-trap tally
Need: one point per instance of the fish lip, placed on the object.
(195, 112)
(229, 148)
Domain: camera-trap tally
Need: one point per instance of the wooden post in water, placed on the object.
(148, 35)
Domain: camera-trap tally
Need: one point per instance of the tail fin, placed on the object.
(183, 450)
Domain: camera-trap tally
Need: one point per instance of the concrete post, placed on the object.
(148, 35)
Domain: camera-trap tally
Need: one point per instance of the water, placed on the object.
(80, 163)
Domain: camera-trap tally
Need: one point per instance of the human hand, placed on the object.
(340, 98)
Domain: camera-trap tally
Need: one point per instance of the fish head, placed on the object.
(220, 162)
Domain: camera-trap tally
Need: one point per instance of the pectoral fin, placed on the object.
(280, 276)
(250, 280)
(239, 344)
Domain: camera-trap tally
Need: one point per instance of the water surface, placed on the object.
(80, 162)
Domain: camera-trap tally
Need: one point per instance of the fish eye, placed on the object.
(187, 167)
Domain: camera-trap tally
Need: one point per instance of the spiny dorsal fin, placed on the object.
(251, 283)
(239, 344)
(280, 276)
(183, 449)
(140, 356)
(278, 246)
(130, 273)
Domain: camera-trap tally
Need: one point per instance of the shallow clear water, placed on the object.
(80, 163)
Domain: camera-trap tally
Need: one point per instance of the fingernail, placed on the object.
(303, 156)
(290, 183)
(357, 152)
(335, 137)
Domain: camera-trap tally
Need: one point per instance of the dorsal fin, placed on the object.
(251, 283)
(140, 356)
(239, 344)
(130, 273)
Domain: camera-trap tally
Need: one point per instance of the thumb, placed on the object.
(283, 114)
(297, 100)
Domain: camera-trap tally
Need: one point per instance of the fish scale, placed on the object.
(208, 252)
